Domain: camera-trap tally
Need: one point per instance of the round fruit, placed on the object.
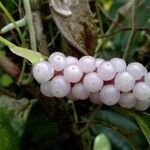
(43, 71)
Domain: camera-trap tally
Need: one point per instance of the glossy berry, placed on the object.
(70, 60)
(106, 70)
(45, 89)
(57, 61)
(127, 100)
(124, 82)
(109, 95)
(73, 73)
(142, 105)
(79, 91)
(43, 71)
(142, 91)
(99, 61)
(120, 64)
(92, 82)
(59, 86)
(87, 64)
(147, 78)
(137, 70)
(94, 98)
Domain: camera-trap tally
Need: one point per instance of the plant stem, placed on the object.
(13, 21)
(89, 121)
(126, 51)
(29, 21)
(5, 42)
(19, 23)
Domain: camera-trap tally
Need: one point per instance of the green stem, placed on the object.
(88, 124)
(5, 42)
(126, 51)
(29, 21)
(13, 21)
(19, 23)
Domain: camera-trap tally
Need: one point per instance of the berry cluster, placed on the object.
(108, 82)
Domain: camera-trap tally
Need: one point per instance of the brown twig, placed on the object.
(126, 51)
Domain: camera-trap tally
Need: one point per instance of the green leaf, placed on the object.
(101, 142)
(12, 121)
(30, 55)
(144, 122)
(116, 119)
(9, 137)
(119, 142)
(6, 80)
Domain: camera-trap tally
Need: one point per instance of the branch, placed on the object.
(126, 51)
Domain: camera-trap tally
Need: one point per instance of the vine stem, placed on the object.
(29, 21)
(19, 23)
(13, 21)
(5, 42)
(87, 125)
(126, 51)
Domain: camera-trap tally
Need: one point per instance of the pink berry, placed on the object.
(106, 70)
(124, 82)
(59, 86)
(147, 78)
(92, 82)
(45, 89)
(109, 95)
(57, 61)
(120, 64)
(142, 91)
(87, 64)
(142, 105)
(94, 98)
(127, 100)
(43, 71)
(70, 60)
(137, 70)
(99, 61)
(79, 91)
(73, 73)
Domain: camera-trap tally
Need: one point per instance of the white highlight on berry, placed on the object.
(92, 82)
(120, 64)
(99, 61)
(73, 73)
(87, 64)
(142, 105)
(124, 82)
(43, 71)
(127, 100)
(79, 91)
(94, 98)
(109, 95)
(59, 86)
(147, 78)
(137, 70)
(106, 70)
(57, 61)
(70, 60)
(45, 89)
(142, 91)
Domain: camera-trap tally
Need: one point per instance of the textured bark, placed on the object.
(79, 28)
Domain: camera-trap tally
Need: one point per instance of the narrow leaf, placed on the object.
(30, 55)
